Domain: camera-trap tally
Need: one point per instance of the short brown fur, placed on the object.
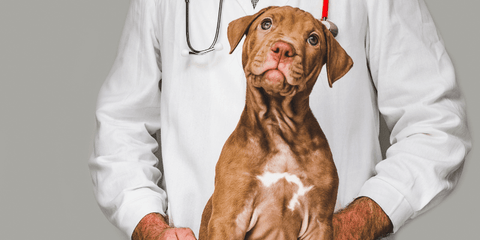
(277, 133)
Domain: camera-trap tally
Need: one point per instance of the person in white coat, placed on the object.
(191, 104)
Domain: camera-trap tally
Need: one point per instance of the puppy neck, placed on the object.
(285, 114)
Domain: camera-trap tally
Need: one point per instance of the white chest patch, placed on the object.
(269, 178)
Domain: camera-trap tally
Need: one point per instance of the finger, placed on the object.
(169, 234)
(185, 234)
(178, 234)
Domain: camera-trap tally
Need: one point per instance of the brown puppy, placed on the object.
(276, 178)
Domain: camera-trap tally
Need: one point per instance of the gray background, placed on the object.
(55, 54)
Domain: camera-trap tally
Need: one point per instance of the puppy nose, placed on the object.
(282, 50)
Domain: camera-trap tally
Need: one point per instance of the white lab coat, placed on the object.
(401, 70)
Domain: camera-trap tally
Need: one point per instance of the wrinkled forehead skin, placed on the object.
(291, 25)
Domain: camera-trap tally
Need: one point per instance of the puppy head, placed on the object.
(285, 49)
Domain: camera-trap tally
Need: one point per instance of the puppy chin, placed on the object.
(277, 87)
(273, 82)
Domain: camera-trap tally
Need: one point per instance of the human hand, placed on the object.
(363, 219)
(154, 227)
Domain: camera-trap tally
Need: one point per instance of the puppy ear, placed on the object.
(238, 28)
(337, 60)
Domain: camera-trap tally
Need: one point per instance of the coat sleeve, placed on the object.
(421, 103)
(123, 164)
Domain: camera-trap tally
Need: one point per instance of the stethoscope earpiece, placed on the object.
(219, 47)
(185, 52)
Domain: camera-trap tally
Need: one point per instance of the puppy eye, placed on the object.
(266, 23)
(313, 39)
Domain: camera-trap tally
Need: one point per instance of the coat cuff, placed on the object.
(130, 215)
(392, 202)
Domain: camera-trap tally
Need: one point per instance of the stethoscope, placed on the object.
(214, 46)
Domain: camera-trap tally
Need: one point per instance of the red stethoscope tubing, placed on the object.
(325, 10)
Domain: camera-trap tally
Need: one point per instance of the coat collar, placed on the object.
(249, 10)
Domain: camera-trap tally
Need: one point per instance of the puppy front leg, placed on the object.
(230, 215)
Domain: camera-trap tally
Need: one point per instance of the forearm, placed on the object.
(363, 219)
(150, 227)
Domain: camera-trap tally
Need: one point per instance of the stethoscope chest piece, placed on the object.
(331, 27)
